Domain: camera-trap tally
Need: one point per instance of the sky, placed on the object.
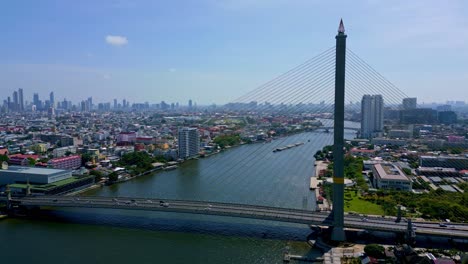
(214, 51)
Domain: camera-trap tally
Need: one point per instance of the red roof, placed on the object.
(65, 158)
(24, 156)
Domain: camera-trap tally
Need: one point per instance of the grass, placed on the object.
(354, 204)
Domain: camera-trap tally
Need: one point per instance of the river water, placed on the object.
(251, 174)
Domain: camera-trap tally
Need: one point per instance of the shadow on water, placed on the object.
(175, 222)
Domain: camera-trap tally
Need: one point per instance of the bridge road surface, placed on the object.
(241, 210)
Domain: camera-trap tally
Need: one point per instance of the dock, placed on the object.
(313, 183)
(288, 257)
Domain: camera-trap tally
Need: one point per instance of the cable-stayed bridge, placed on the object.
(305, 92)
(237, 210)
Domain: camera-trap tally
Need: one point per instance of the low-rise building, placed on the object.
(389, 176)
(66, 163)
(60, 152)
(457, 162)
(19, 174)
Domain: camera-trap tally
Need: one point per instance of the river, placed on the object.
(251, 174)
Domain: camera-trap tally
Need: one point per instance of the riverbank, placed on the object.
(322, 203)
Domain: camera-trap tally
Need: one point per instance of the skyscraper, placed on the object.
(21, 100)
(15, 101)
(36, 101)
(52, 99)
(190, 104)
(409, 103)
(189, 142)
(372, 116)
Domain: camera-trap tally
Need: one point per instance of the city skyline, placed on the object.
(216, 51)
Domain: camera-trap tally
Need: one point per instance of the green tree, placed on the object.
(31, 162)
(375, 250)
(4, 158)
(407, 171)
(86, 157)
(113, 176)
(97, 175)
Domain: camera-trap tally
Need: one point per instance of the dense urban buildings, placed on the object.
(372, 116)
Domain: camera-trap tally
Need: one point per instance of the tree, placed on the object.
(31, 162)
(113, 176)
(4, 158)
(407, 171)
(375, 250)
(97, 175)
(68, 153)
(85, 158)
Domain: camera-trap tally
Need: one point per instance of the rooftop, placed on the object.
(389, 171)
(32, 170)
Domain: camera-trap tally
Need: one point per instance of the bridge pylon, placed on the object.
(338, 233)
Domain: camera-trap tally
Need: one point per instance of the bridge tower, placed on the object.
(338, 233)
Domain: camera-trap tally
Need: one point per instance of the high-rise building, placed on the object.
(190, 104)
(21, 100)
(115, 104)
(409, 103)
(15, 101)
(189, 142)
(52, 99)
(36, 101)
(372, 116)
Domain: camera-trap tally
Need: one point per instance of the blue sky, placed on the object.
(213, 51)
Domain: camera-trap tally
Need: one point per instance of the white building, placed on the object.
(372, 107)
(389, 176)
(189, 142)
(60, 152)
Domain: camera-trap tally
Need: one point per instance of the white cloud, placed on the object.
(106, 76)
(116, 40)
(172, 69)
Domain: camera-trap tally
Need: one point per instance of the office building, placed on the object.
(447, 117)
(37, 102)
(372, 116)
(15, 101)
(189, 142)
(409, 103)
(418, 116)
(389, 176)
(21, 100)
(52, 99)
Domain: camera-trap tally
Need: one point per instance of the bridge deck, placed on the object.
(240, 210)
